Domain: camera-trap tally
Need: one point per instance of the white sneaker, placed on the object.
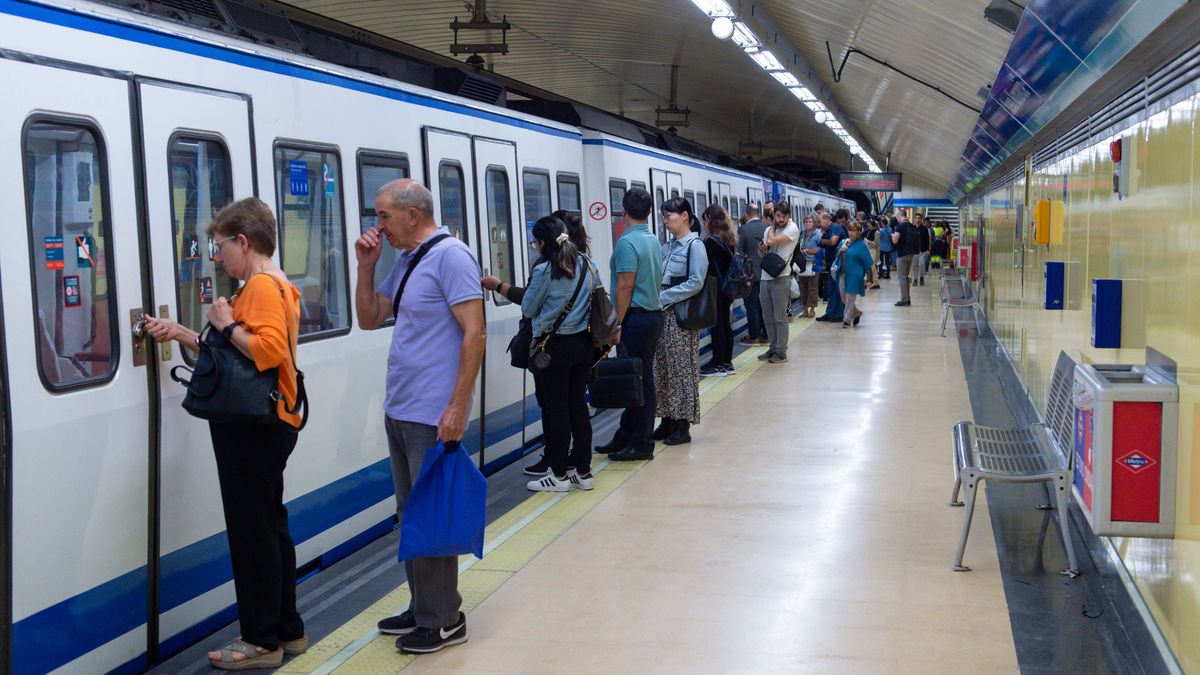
(549, 483)
(584, 482)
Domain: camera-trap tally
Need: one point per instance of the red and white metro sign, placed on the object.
(870, 181)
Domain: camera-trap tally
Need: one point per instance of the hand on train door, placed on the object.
(368, 247)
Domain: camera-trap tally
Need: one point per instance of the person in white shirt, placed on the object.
(774, 291)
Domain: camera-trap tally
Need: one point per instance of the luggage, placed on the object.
(617, 383)
(446, 511)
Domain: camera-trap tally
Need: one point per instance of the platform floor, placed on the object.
(805, 528)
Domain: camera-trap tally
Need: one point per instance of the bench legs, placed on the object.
(972, 488)
(954, 493)
(945, 316)
(1062, 484)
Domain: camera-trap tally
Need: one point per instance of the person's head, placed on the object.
(769, 211)
(783, 213)
(575, 228)
(554, 243)
(405, 210)
(819, 208)
(890, 214)
(842, 216)
(826, 220)
(677, 216)
(243, 236)
(903, 214)
(919, 219)
(854, 230)
(637, 204)
(751, 213)
(809, 222)
(716, 224)
(861, 216)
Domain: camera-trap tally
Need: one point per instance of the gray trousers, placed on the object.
(905, 270)
(775, 296)
(852, 311)
(432, 582)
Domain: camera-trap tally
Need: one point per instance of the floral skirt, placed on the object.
(677, 371)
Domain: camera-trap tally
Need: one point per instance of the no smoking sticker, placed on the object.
(598, 211)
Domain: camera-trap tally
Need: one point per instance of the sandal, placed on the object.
(294, 647)
(256, 657)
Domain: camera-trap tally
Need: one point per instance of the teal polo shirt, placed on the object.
(638, 251)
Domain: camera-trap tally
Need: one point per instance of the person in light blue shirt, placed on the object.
(887, 250)
(677, 359)
(557, 301)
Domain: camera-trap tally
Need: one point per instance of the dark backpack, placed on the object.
(739, 278)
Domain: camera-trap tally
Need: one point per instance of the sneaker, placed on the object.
(710, 369)
(429, 640)
(540, 469)
(845, 325)
(767, 356)
(581, 481)
(403, 624)
(904, 303)
(857, 318)
(777, 358)
(550, 483)
(726, 370)
(630, 455)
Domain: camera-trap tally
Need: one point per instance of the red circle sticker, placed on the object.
(598, 211)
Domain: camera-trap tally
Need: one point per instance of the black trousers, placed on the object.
(722, 333)
(823, 285)
(250, 463)
(560, 391)
(639, 338)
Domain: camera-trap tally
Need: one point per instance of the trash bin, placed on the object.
(1126, 425)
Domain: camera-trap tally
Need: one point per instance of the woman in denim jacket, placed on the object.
(677, 358)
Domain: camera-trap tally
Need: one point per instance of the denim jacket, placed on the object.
(675, 264)
(545, 298)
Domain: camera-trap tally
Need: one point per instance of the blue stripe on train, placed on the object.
(105, 612)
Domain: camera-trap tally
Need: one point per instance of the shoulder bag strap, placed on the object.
(412, 266)
(301, 392)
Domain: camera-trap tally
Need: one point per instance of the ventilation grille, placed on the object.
(650, 138)
(261, 22)
(1060, 405)
(481, 90)
(204, 9)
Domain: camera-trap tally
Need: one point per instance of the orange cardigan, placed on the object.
(261, 311)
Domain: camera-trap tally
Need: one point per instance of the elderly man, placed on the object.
(437, 347)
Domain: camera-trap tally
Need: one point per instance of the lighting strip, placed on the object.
(727, 26)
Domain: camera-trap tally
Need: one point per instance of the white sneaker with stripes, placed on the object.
(550, 483)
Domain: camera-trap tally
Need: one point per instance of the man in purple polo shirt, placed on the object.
(437, 347)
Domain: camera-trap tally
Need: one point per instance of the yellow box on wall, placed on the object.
(1048, 222)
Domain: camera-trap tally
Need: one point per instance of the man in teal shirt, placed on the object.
(637, 270)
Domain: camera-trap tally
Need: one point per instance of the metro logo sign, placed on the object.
(1136, 462)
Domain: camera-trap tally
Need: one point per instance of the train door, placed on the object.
(197, 159)
(450, 175)
(82, 410)
(664, 185)
(720, 194)
(5, 503)
(502, 235)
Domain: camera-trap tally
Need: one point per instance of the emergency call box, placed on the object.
(1063, 284)
(1126, 424)
(1106, 313)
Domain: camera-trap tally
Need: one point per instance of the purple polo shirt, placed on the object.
(427, 340)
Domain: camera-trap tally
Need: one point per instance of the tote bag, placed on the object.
(446, 510)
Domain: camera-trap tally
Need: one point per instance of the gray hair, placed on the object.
(405, 194)
(752, 210)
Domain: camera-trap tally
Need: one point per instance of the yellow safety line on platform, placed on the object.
(513, 540)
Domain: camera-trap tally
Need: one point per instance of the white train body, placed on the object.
(118, 548)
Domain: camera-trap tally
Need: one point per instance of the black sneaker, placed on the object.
(540, 469)
(403, 624)
(904, 303)
(630, 455)
(429, 640)
(710, 369)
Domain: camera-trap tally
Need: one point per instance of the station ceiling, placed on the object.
(618, 55)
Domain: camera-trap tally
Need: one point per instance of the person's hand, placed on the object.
(220, 315)
(491, 283)
(453, 424)
(368, 248)
(844, 246)
(616, 338)
(161, 330)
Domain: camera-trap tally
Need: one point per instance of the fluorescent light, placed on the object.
(786, 79)
(722, 27)
(743, 36)
(815, 106)
(714, 8)
(803, 94)
(766, 60)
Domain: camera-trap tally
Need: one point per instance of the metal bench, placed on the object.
(966, 299)
(1039, 453)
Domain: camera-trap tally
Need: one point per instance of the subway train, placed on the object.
(120, 137)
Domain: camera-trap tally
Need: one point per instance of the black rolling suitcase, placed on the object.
(617, 383)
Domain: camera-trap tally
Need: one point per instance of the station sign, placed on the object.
(871, 181)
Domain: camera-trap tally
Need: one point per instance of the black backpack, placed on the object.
(739, 278)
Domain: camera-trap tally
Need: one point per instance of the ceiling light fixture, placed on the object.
(786, 79)
(821, 117)
(722, 27)
(714, 8)
(744, 37)
(766, 60)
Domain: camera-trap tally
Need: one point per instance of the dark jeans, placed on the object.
(560, 389)
(721, 335)
(639, 338)
(823, 285)
(755, 328)
(835, 308)
(250, 463)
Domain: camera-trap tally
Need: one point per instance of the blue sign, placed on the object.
(298, 178)
(329, 176)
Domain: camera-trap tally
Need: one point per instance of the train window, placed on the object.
(701, 201)
(376, 169)
(691, 197)
(454, 203)
(201, 184)
(636, 184)
(312, 240)
(66, 195)
(568, 193)
(674, 193)
(499, 208)
(537, 204)
(616, 208)
(725, 203)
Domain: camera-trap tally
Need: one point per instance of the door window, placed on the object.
(616, 210)
(452, 189)
(537, 204)
(312, 239)
(499, 208)
(201, 185)
(701, 201)
(376, 169)
(568, 193)
(66, 196)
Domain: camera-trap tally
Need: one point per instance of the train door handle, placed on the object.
(137, 329)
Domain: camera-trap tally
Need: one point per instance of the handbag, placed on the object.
(226, 386)
(602, 316)
(617, 383)
(446, 511)
(518, 346)
(539, 358)
(700, 310)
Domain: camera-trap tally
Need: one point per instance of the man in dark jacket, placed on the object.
(908, 247)
(748, 237)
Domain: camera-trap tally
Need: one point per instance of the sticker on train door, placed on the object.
(191, 247)
(298, 178)
(54, 253)
(329, 177)
(71, 296)
(206, 290)
(84, 245)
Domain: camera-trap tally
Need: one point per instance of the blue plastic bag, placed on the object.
(446, 511)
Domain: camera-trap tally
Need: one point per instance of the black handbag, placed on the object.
(602, 317)
(226, 386)
(518, 346)
(775, 265)
(617, 383)
(700, 310)
(539, 358)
